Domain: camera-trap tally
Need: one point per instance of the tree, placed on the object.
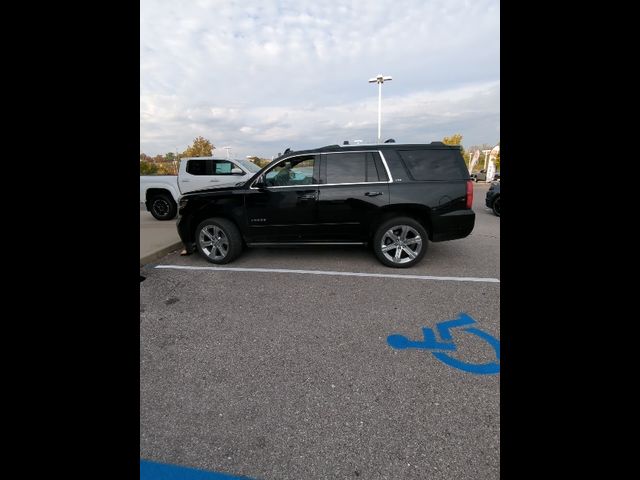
(147, 168)
(169, 157)
(201, 148)
(455, 139)
(261, 162)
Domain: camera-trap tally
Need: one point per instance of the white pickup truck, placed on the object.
(161, 193)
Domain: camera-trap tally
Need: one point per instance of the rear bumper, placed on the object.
(452, 225)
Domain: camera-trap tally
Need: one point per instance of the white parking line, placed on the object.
(325, 272)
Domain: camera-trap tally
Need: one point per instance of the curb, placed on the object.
(159, 253)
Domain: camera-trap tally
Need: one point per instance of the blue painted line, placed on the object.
(444, 328)
(478, 369)
(162, 471)
(429, 343)
(400, 342)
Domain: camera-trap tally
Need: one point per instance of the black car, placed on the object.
(396, 197)
(493, 198)
(482, 176)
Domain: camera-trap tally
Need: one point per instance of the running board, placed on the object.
(269, 244)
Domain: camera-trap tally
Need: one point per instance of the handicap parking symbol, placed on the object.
(439, 349)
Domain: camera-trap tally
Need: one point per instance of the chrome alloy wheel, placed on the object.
(401, 244)
(214, 242)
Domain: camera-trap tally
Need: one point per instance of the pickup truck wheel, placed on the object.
(496, 207)
(218, 240)
(162, 207)
(400, 242)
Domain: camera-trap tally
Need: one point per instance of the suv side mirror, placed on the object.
(236, 171)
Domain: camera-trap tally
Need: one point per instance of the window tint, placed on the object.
(382, 173)
(209, 167)
(295, 171)
(199, 167)
(222, 167)
(433, 164)
(346, 167)
(372, 171)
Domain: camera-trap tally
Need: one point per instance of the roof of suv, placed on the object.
(369, 146)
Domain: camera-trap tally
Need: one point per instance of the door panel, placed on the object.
(285, 210)
(346, 211)
(353, 189)
(281, 214)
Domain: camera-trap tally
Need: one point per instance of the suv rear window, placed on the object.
(434, 164)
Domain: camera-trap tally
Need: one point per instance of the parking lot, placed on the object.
(261, 371)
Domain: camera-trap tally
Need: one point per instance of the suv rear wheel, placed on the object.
(400, 242)
(218, 240)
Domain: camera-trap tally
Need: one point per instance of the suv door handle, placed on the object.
(308, 196)
(373, 194)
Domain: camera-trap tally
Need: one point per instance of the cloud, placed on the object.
(263, 75)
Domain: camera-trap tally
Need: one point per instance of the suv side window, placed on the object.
(291, 172)
(356, 167)
(434, 164)
(375, 168)
(345, 168)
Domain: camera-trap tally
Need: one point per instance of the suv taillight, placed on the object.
(469, 193)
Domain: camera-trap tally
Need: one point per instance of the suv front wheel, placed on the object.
(400, 242)
(218, 240)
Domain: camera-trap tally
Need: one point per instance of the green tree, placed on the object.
(455, 139)
(169, 157)
(147, 168)
(261, 162)
(201, 148)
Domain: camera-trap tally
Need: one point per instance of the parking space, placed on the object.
(283, 375)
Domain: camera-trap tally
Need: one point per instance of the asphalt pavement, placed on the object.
(282, 375)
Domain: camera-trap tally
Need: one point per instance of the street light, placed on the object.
(379, 80)
(227, 149)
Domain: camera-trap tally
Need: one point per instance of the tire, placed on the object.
(162, 207)
(382, 238)
(226, 233)
(496, 207)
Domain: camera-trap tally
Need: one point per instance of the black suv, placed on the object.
(393, 196)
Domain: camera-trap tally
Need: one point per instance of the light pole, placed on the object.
(379, 80)
(227, 149)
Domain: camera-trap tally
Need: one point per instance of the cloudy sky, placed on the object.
(263, 75)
